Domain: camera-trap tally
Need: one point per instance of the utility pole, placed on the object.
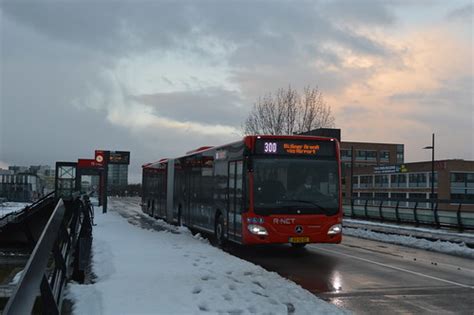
(432, 148)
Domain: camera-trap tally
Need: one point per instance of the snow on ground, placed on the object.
(9, 207)
(170, 271)
(17, 277)
(407, 228)
(410, 241)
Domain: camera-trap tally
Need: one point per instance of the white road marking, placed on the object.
(398, 268)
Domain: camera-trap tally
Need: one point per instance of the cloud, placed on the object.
(161, 78)
(210, 106)
(464, 13)
(428, 88)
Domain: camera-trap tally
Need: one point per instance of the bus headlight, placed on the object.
(335, 229)
(257, 229)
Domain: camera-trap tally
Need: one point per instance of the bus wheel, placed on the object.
(298, 245)
(219, 231)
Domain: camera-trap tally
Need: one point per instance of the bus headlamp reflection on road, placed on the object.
(335, 229)
(257, 229)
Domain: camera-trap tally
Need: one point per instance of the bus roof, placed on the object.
(250, 141)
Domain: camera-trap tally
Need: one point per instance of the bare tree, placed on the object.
(286, 112)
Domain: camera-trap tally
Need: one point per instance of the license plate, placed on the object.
(299, 239)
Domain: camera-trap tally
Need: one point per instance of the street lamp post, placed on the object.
(432, 148)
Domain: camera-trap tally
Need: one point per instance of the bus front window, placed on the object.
(293, 185)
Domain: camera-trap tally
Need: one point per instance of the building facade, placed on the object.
(453, 179)
(20, 188)
(117, 178)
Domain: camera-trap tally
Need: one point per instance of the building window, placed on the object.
(381, 196)
(355, 181)
(398, 196)
(417, 180)
(418, 198)
(361, 155)
(400, 154)
(381, 181)
(371, 155)
(346, 154)
(365, 181)
(462, 186)
(384, 156)
(435, 179)
(398, 180)
(366, 155)
(366, 195)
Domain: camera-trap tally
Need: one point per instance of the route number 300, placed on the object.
(270, 147)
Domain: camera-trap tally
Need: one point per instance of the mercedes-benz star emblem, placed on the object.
(299, 229)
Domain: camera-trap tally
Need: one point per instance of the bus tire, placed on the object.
(219, 231)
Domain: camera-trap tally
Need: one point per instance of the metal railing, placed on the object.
(59, 255)
(458, 214)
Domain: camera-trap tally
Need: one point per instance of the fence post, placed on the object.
(460, 227)
(415, 215)
(397, 215)
(380, 211)
(436, 216)
(365, 208)
(352, 207)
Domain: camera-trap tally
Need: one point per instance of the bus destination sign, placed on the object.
(295, 147)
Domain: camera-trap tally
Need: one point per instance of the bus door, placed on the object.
(234, 199)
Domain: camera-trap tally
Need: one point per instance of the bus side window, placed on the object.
(238, 187)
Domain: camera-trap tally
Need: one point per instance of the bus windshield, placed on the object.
(295, 186)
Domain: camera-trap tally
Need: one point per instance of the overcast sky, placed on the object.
(159, 78)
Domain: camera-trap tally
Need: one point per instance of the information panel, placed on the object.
(119, 157)
(295, 147)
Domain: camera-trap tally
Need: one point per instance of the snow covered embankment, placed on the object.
(148, 272)
(410, 241)
(9, 207)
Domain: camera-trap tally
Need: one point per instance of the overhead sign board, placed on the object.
(119, 157)
(89, 163)
(100, 156)
(113, 157)
(390, 169)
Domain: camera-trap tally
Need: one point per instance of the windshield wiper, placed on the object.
(304, 201)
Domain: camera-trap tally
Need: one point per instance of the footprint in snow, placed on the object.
(291, 308)
(232, 287)
(207, 277)
(197, 290)
(248, 273)
(259, 284)
(227, 297)
(258, 293)
(203, 307)
(235, 312)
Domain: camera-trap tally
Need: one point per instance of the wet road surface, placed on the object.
(369, 277)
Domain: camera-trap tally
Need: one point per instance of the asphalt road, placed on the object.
(368, 277)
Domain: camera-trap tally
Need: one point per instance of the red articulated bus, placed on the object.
(259, 190)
